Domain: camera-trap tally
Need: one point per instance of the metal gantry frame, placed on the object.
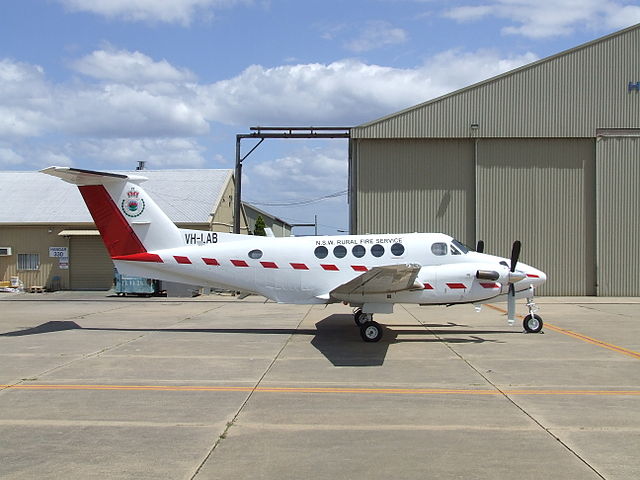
(262, 133)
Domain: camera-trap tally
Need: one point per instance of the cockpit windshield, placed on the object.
(460, 246)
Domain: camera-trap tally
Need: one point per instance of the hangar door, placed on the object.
(415, 185)
(541, 191)
(618, 181)
(90, 267)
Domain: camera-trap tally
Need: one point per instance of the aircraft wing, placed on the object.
(384, 279)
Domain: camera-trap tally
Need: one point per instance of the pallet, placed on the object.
(36, 289)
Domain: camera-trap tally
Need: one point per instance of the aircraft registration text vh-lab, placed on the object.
(370, 273)
(200, 238)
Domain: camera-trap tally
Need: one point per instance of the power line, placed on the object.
(301, 202)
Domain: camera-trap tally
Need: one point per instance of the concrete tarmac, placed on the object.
(212, 387)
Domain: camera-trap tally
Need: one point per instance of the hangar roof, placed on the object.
(571, 94)
(186, 196)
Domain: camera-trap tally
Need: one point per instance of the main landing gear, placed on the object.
(370, 331)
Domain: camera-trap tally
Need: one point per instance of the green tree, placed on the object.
(259, 230)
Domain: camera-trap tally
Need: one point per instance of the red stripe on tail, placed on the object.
(117, 234)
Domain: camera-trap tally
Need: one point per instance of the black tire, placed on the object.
(371, 332)
(361, 318)
(532, 323)
(356, 315)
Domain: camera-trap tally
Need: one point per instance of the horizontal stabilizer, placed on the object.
(80, 177)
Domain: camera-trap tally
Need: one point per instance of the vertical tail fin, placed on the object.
(129, 221)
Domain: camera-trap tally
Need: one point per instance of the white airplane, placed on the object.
(368, 272)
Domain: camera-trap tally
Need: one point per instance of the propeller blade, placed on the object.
(480, 246)
(511, 304)
(515, 254)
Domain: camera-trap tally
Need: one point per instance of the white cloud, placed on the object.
(129, 67)
(9, 158)
(125, 107)
(122, 119)
(165, 11)
(312, 170)
(345, 92)
(117, 110)
(550, 18)
(25, 98)
(376, 34)
(157, 152)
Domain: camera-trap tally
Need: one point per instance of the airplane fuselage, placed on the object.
(304, 269)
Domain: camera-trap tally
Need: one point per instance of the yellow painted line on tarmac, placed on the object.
(579, 336)
(322, 390)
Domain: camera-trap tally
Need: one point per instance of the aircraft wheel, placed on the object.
(532, 323)
(371, 331)
(361, 318)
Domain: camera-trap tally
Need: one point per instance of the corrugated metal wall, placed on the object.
(618, 185)
(541, 193)
(409, 186)
(538, 173)
(90, 266)
(567, 95)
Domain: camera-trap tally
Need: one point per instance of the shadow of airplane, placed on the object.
(335, 336)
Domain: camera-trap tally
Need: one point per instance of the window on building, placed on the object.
(340, 251)
(28, 261)
(321, 252)
(397, 249)
(439, 248)
(255, 254)
(377, 250)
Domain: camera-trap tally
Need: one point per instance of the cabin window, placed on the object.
(454, 250)
(358, 251)
(377, 250)
(460, 246)
(255, 254)
(321, 252)
(340, 251)
(397, 249)
(439, 248)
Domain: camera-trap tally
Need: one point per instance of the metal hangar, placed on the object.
(548, 154)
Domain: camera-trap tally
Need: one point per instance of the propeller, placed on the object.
(513, 277)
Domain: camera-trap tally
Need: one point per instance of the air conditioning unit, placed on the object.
(5, 251)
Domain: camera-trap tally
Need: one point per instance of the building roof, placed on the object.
(186, 196)
(265, 214)
(570, 94)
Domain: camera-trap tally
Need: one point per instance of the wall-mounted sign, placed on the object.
(63, 263)
(634, 87)
(58, 252)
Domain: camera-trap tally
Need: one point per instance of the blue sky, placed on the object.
(102, 84)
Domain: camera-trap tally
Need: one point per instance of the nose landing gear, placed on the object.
(532, 323)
